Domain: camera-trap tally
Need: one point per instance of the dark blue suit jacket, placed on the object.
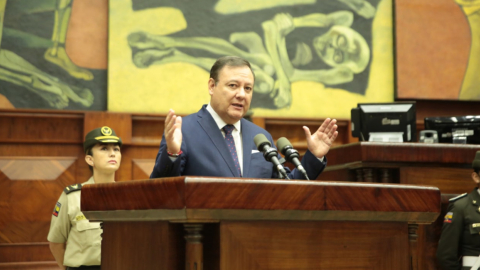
(205, 153)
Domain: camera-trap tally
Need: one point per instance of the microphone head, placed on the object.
(260, 140)
(282, 144)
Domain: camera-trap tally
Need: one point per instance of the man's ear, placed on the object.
(211, 86)
(89, 160)
(476, 177)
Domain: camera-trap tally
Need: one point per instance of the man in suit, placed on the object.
(217, 141)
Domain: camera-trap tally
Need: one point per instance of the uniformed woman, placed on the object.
(459, 245)
(74, 241)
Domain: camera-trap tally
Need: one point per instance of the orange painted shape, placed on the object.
(87, 34)
(433, 42)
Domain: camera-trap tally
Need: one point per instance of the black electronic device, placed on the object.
(384, 122)
(455, 129)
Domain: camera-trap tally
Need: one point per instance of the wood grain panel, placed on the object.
(51, 265)
(147, 129)
(166, 193)
(403, 153)
(34, 168)
(379, 197)
(142, 168)
(27, 127)
(313, 245)
(206, 198)
(212, 193)
(142, 245)
(128, 170)
(120, 122)
(30, 208)
(25, 252)
(4, 203)
(448, 180)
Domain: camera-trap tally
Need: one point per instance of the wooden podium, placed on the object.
(228, 223)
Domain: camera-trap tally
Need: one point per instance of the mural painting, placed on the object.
(310, 58)
(36, 68)
(440, 59)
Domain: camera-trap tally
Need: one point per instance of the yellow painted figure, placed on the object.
(74, 241)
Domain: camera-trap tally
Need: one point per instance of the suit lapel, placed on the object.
(211, 129)
(248, 145)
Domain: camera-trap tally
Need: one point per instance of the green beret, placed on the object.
(100, 135)
(476, 161)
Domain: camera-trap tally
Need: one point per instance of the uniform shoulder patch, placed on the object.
(458, 197)
(72, 188)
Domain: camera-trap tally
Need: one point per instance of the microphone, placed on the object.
(291, 154)
(269, 153)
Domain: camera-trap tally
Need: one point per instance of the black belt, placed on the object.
(83, 267)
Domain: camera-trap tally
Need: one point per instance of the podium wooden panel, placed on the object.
(446, 166)
(216, 223)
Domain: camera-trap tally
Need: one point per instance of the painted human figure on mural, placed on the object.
(331, 40)
(17, 70)
(342, 48)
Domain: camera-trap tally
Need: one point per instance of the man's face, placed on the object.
(232, 94)
(106, 157)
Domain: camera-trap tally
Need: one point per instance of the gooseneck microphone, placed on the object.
(291, 154)
(269, 153)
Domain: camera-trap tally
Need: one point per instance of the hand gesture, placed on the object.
(173, 132)
(320, 142)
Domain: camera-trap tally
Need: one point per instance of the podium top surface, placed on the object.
(460, 155)
(209, 198)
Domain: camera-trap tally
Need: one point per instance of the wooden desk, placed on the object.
(258, 223)
(446, 166)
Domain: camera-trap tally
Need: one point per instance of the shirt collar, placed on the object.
(219, 121)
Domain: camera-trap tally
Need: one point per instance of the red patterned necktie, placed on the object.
(231, 145)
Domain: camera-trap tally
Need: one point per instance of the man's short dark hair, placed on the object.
(231, 61)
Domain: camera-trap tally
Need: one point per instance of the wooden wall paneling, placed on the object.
(41, 265)
(448, 180)
(338, 175)
(147, 129)
(137, 162)
(31, 127)
(25, 252)
(120, 122)
(31, 204)
(128, 240)
(259, 121)
(4, 205)
(313, 245)
(37, 170)
(142, 168)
